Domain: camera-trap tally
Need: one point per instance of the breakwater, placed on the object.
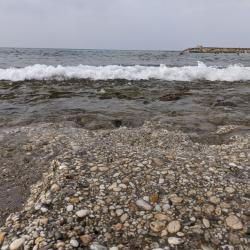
(216, 50)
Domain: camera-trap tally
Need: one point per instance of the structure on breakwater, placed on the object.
(216, 50)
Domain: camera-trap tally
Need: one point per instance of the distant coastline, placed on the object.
(216, 50)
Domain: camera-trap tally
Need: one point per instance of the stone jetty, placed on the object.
(216, 50)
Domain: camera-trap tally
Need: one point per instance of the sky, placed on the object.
(124, 24)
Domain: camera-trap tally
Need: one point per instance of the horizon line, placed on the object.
(20, 47)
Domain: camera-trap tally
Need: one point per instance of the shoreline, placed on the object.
(132, 188)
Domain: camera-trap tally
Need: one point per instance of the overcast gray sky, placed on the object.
(124, 24)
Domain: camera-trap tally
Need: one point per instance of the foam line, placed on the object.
(186, 73)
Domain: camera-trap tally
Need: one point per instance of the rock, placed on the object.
(74, 200)
(180, 234)
(39, 240)
(144, 205)
(166, 207)
(234, 222)
(74, 243)
(94, 169)
(206, 222)
(164, 232)
(97, 246)
(60, 244)
(113, 248)
(174, 241)
(17, 244)
(55, 188)
(2, 236)
(58, 235)
(124, 217)
(174, 226)
(206, 247)
(154, 198)
(217, 211)
(70, 208)
(118, 227)
(119, 212)
(82, 213)
(176, 199)
(234, 239)
(157, 226)
(85, 239)
(215, 200)
(44, 209)
(43, 221)
(229, 190)
(161, 217)
(157, 162)
(208, 209)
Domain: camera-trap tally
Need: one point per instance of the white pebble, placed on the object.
(174, 241)
(70, 208)
(143, 204)
(74, 243)
(17, 244)
(82, 213)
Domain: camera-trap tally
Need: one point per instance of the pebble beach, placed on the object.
(149, 187)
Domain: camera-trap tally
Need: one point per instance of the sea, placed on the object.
(106, 89)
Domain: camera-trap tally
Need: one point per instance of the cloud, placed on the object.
(124, 24)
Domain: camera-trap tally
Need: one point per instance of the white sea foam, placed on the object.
(162, 72)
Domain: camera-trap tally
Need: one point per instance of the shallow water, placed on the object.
(197, 106)
(193, 105)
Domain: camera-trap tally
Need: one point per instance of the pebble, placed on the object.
(157, 226)
(113, 248)
(144, 205)
(166, 207)
(154, 198)
(161, 217)
(206, 222)
(85, 239)
(174, 226)
(43, 221)
(234, 239)
(60, 244)
(174, 241)
(39, 240)
(2, 236)
(124, 217)
(70, 208)
(55, 188)
(157, 162)
(97, 246)
(234, 222)
(17, 244)
(74, 243)
(44, 209)
(229, 190)
(119, 212)
(215, 200)
(126, 201)
(208, 209)
(176, 199)
(82, 213)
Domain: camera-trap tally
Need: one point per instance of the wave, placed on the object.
(186, 73)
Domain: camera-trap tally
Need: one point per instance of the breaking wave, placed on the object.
(186, 73)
